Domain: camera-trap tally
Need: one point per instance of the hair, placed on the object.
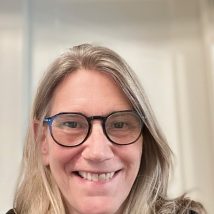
(37, 191)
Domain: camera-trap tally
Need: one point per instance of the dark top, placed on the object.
(11, 212)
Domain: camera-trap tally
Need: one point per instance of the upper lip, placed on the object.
(97, 171)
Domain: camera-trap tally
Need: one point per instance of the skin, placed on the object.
(92, 93)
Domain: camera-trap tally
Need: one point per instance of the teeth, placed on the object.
(103, 177)
(95, 176)
(88, 176)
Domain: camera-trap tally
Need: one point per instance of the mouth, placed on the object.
(96, 177)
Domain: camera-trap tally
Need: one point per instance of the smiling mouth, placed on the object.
(96, 176)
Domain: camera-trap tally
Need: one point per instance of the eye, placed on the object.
(75, 124)
(118, 125)
(70, 124)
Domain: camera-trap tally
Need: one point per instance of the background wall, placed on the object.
(170, 45)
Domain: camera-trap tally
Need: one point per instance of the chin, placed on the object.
(96, 207)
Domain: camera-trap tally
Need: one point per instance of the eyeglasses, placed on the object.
(70, 129)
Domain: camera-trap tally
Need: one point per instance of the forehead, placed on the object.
(89, 91)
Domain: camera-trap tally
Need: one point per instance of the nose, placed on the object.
(97, 146)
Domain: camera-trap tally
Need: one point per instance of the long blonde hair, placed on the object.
(37, 192)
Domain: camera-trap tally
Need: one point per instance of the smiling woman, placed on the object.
(94, 146)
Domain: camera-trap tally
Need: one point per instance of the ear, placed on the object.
(40, 137)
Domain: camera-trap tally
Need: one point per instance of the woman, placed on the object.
(94, 146)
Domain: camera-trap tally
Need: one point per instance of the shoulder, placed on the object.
(12, 211)
(192, 207)
(179, 205)
(193, 212)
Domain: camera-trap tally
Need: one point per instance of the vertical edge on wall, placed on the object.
(27, 61)
(207, 27)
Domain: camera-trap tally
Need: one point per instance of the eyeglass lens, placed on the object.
(73, 129)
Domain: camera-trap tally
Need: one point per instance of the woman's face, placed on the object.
(92, 93)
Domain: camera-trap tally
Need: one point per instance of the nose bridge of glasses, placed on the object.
(101, 121)
(96, 117)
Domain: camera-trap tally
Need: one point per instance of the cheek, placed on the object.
(60, 157)
(138, 155)
(135, 158)
(136, 152)
(131, 156)
(61, 161)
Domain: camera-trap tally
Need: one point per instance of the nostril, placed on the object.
(97, 153)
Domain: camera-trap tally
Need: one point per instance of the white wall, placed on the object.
(165, 43)
(11, 111)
